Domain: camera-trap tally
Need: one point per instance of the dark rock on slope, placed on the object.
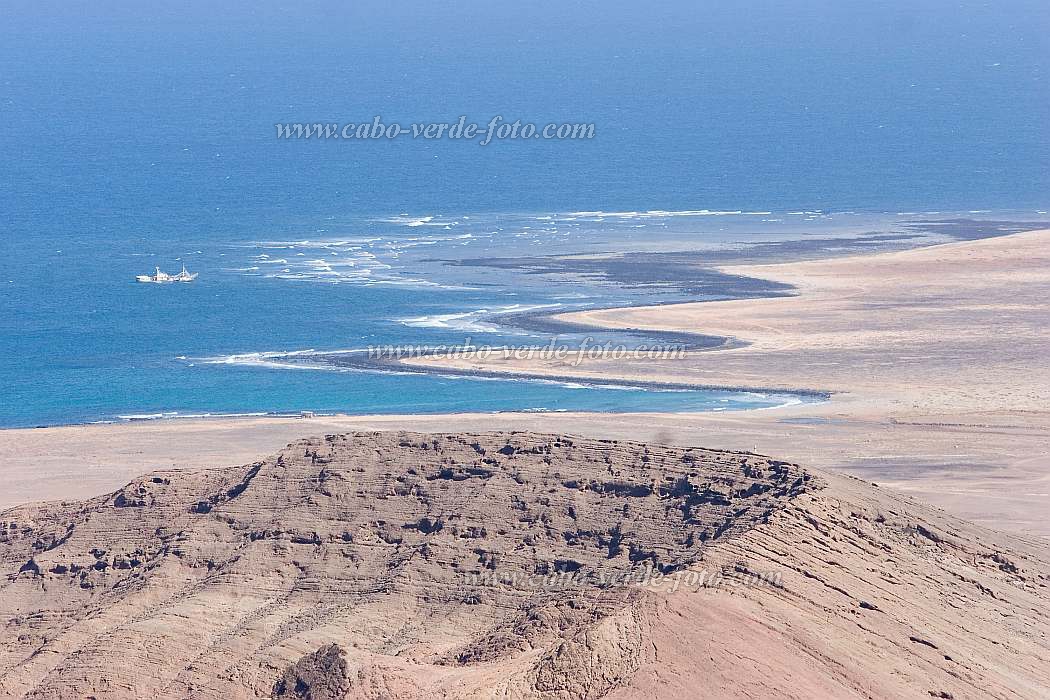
(387, 565)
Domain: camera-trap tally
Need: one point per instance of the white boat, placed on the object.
(158, 276)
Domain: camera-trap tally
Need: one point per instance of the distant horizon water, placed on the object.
(138, 136)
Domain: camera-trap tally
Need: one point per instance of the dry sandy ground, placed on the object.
(938, 355)
(1002, 483)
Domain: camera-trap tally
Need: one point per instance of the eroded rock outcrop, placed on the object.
(398, 565)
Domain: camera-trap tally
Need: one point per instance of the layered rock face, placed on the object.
(401, 565)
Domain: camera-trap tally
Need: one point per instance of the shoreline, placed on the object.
(938, 388)
(76, 462)
(645, 266)
(308, 414)
(738, 338)
(950, 337)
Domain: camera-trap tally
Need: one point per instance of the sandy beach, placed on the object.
(937, 357)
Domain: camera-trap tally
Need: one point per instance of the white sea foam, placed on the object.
(464, 321)
(147, 416)
(656, 213)
(274, 360)
(417, 221)
(471, 320)
(176, 415)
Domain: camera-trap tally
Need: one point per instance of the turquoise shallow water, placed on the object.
(136, 137)
(85, 342)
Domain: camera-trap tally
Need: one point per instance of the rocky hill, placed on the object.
(515, 565)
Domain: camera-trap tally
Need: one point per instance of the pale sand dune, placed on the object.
(955, 328)
(939, 357)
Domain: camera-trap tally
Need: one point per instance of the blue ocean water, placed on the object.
(136, 136)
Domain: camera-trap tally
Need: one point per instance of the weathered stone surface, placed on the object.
(387, 565)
